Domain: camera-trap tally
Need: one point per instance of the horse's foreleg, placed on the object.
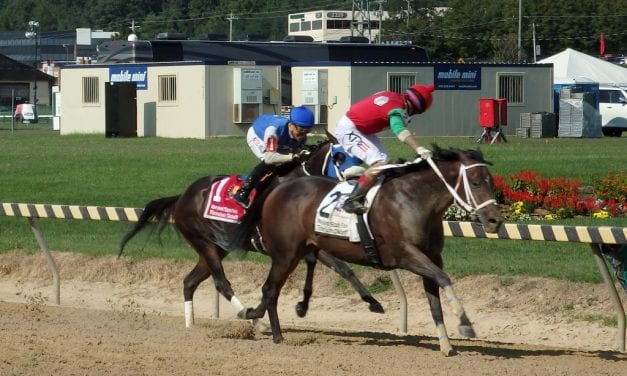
(433, 278)
(347, 273)
(271, 289)
(465, 326)
(432, 291)
(190, 284)
(303, 306)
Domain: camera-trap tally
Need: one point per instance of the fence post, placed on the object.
(620, 312)
(400, 291)
(56, 284)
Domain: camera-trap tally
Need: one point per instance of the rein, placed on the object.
(303, 164)
(471, 204)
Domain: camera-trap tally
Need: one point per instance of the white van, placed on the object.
(25, 113)
(613, 109)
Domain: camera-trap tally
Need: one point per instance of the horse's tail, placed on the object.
(159, 211)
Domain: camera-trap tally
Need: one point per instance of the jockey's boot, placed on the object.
(242, 196)
(355, 202)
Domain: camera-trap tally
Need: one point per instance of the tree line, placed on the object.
(472, 30)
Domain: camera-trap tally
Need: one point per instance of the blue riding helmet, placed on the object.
(302, 116)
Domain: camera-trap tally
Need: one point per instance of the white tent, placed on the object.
(571, 66)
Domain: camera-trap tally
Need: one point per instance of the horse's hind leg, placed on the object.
(347, 273)
(303, 305)
(212, 256)
(190, 284)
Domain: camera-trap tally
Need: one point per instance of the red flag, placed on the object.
(602, 46)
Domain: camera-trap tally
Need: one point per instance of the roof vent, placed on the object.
(171, 36)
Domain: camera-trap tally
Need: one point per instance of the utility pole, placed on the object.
(231, 18)
(534, 41)
(33, 33)
(133, 27)
(361, 8)
(380, 14)
(520, 30)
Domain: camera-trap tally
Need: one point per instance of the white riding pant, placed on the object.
(368, 148)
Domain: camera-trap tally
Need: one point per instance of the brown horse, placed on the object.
(211, 238)
(405, 220)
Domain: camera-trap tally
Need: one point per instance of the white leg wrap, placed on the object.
(445, 344)
(452, 298)
(239, 307)
(189, 314)
(442, 334)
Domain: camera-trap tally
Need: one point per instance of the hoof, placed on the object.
(260, 326)
(374, 306)
(278, 339)
(301, 309)
(448, 351)
(243, 313)
(467, 331)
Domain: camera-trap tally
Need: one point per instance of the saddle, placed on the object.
(332, 220)
(220, 204)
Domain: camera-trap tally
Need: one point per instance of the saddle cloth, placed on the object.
(332, 220)
(220, 203)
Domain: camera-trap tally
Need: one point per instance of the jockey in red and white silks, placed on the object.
(357, 132)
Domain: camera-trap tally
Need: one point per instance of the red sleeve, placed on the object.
(272, 144)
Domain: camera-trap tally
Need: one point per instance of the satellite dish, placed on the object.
(132, 38)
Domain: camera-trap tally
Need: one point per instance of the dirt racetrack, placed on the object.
(119, 317)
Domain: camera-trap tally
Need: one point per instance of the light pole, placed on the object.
(67, 52)
(34, 34)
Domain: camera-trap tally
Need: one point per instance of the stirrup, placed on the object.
(242, 201)
(354, 207)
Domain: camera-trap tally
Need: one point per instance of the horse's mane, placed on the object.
(439, 155)
(286, 168)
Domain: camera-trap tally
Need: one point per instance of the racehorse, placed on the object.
(405, 219)
(211, 238)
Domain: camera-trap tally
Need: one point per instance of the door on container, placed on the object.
(121, 109)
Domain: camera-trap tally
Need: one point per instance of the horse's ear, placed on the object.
(330, 137)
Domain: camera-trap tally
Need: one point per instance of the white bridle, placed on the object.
(470, 204)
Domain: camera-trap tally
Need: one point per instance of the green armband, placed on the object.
(397, 122)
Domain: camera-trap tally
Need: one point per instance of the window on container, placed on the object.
(91, 94)
(305, 25)
(167, 88)
(316, 25)
(295, 26)
(511, 88)
(399, 82)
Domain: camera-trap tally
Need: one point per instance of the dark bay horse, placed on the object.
(405, 219)
(211, 238)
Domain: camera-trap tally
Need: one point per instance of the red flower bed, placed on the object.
(560, 197)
